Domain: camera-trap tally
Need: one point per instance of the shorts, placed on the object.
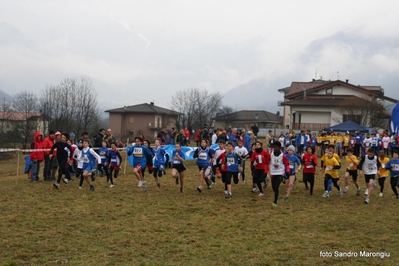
(287, 176)
(202, 168)
(230, 175)
(352, 173)
(79, 171)
(88, 168)
(139, 166)
(179, 167)
(368, 177)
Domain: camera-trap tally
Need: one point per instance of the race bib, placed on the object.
(230, 161)
(138, 152)
(202, 156)
(85, 159)
(329, 168)
(310, 166)
(259, 158)
(350, 166)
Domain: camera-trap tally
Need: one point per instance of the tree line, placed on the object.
(70, 106)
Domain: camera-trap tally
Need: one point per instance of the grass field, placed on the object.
(127, 226)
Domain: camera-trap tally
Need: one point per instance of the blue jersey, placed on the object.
(88, 158)
(293, 161)
(232, 162)
(104, 154)
(159, 157)
(140, 154)
(203, 156)
(115, 158)
(175, 159)
(393, 166)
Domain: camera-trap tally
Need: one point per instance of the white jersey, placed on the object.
(385, 142)
(242, 152)
(78, 159)
(217, 154)
(277, 166)
(370, 165)
(214, 138)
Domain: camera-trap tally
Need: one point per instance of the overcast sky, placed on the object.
(142, 51)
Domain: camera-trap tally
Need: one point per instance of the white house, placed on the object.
(314, 105)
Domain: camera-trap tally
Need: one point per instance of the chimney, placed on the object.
(152, 103)
(347, 80)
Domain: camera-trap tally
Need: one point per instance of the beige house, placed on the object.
(11, 119)
(314, 105)
(148, 119)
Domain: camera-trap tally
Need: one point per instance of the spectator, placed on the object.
(48, 142)
(36, 156)
(99, 138)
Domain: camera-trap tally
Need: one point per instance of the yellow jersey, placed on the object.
(346, 140)
(319, 139)
(329, 164)
(382, 171)
(335, 156)
(351, 162)
(331, 139)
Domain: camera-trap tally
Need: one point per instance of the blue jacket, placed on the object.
(247, 141)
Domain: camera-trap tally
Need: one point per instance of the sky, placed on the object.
(145, 51)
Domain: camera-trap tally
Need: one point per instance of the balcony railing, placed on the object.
(310, 126)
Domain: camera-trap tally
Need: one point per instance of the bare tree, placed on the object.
(26, 103)
(366, 112)
(71, 105)
(225, 114)
(198, 106)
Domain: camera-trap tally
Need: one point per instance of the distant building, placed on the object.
(246, 118)
(148, 119)
(11, 119)
(313, 105)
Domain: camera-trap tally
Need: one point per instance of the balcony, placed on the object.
(310, 126)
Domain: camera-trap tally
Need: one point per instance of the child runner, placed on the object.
(260, 159)
(204, 156)
(104, 154)
(279, 165)
(371, 166)
(309, 167)
(64, 155)
(351, 170)
(242, 152)
(178, 158)
(393, 166)
(79, 162)
(232, 164)
(159, 161)
(115, 160)
(290, 178)
(216, 167)
(140, 153)
(89, 158)
(382, 173)
(331, 166)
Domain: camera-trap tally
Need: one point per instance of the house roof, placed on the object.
(18, 116)
(324, 100)
(144, 108)
(254, 116)
(298, 88)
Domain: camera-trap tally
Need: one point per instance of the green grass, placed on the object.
(126, 226)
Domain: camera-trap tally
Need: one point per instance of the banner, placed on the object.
(395, 119)
(187, 150)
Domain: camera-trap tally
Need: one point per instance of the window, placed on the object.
(131, 132)
(131, 120)
(329, 91)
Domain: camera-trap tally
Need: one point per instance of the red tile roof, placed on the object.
(18, 116)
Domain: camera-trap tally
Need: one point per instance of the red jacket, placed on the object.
(37, 144)
(262, 160)
(309, 163)
(48, 142)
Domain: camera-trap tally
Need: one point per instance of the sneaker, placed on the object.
(346, 189)
(340, 193)
(374, 184)
(181, 190)
(226, 192)
(144, 186)
(177, 180)
(199, 189)
(140, 184)
(366, 192)
(380, 194)
(91, 188)
(159, 185)
(65, 180)
(243, 182)
(228, 196)
(260, 194)
(255, 189)
(111, 186)
(56, 185)
(358, 192)
(80, 187)
(286, 199)
(93, 176)
(274, 205)
(325, 195)
(367, 201)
